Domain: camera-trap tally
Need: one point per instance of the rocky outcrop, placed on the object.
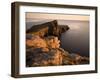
(43, 47)
(48, 29)
(46, 51)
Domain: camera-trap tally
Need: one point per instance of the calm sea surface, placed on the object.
(76, 39)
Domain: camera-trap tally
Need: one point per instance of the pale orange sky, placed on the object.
(56, 16)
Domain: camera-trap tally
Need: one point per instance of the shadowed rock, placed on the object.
(38, 57)
(48, 28)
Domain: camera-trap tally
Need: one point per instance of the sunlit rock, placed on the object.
(43, 47)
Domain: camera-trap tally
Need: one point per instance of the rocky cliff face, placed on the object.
(43, 47)
(46, 51)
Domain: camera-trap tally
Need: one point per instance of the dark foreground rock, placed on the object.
(54, 57)
(37, 57)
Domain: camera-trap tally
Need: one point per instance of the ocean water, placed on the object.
(76, 39)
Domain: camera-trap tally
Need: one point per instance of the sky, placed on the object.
(34, 17)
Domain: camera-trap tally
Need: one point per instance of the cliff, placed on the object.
(46, 51)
